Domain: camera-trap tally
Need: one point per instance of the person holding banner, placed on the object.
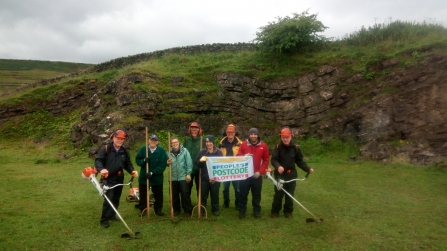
(192, 144)
(284, 157)
(230, 145)
(260, 152)
(181, 164)
(209, 186)
(157, 164)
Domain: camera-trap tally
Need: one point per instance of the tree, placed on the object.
(291, 34)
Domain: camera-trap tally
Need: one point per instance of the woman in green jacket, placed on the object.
(157, 160)
(181, 167)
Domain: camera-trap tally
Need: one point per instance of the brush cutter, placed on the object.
(90, 174)
(279, 185)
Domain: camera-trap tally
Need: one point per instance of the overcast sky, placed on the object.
(96, 31)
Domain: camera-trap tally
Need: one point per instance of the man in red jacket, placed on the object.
(253, 146)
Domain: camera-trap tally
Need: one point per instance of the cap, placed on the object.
(285, 132)
(120, 134)
(154, 137)
(194, 124)
(230, 128)
(209, 138)
(253, 131)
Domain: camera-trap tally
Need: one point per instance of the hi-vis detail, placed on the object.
(230, 168)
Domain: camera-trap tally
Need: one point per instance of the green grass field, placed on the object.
(47, 205)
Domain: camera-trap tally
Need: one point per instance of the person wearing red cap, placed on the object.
(110, 162)
(284, 157)
(230, 146)
(260, 152)
(192, 144)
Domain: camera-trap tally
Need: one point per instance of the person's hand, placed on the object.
(256, 175)
(311, 170)
(169, 161)
(134, 174)
(147, 159)
(188, 178)
(203, 159)
(248, 154)
(268, 170)
(212, 181)
(149, 175)
(104, 173)
(280, 169)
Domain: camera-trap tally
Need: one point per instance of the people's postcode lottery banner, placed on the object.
(230, 168)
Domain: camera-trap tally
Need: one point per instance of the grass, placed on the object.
(365, 206)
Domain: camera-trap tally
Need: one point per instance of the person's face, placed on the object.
(209, 145)
(175, 144)
(286, 140)
(194, 131)
(253, 137)
(153, 143)
(230, 135)
(118, 142)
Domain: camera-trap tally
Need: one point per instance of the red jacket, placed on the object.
(260, 154)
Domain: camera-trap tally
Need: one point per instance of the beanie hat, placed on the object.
(209, 138)
(253, 131)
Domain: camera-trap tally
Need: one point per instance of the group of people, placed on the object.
(188, 161)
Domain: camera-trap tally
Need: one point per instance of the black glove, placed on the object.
(147, 160)
(149, 175)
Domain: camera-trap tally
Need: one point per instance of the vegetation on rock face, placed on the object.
(292, 34)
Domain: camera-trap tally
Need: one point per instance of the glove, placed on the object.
(149, 175)
(134, 174)
(203, 159)
(188, 178)
(147, 160)
(169, 161)
(256, 175)
(248, 154)
(104, 173)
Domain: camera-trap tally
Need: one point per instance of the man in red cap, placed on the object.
(284, 157)
(230, 146)
(110, 162)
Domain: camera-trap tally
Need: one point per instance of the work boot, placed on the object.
(241, 215)
(288, 215)
(105, 224)
(225, 205)
(176, 213)
(274, 215)
(216, 213)
(160, 213)
(257, 215)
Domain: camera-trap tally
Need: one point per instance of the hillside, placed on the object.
(16, 73)
(382, 93)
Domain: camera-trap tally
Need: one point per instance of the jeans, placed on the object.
(226, 192)
(256, 186)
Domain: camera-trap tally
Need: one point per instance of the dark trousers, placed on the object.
(157, 190)
(255, 185)
(279, 194)
(180, 193)
(226, 192)
(194, 179)
(114, 196)
(213, 191)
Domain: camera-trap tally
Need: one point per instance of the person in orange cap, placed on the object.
(230, 146)
(110, 162)
(285, 155)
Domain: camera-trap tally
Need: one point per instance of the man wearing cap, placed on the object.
(284, 157)
(192, 144)
(230, 145)
(110, 162)
(209, 186)
(259, 150)
(157, 160)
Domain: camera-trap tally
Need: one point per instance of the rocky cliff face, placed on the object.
(399, 116)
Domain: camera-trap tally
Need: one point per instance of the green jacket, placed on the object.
(157, 165)
(193, 147)
(181, 164)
